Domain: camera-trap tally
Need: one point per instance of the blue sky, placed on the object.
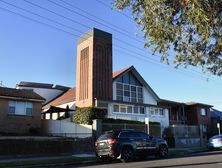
(38, 44)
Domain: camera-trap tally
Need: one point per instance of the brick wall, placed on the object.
(18, 124)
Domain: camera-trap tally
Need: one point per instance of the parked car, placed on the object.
(215, 142)
(127, 144)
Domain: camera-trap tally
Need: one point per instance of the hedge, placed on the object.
(85, 115)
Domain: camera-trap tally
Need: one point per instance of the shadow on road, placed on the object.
(191, 164)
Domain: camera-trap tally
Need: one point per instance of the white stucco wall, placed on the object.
(163, 120)
(148, 98)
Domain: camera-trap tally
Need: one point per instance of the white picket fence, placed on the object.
(66, 129)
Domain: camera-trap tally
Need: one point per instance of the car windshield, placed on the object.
(105, 136)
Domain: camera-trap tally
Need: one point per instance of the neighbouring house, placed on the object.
(61, 104)
(190, 113)
(47, 91)
(216, 118)
(20, 110)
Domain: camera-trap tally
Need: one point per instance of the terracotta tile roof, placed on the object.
(117, 73)
(19, 93)
(65, 97)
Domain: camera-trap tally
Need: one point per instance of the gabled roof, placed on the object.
(70, 95)
(216, 113)
(120, 73)
(42, 85)
(19, 94)
(65, 97)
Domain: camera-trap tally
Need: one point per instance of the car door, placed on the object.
(149, 143)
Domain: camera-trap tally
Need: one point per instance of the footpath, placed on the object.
(76, 159)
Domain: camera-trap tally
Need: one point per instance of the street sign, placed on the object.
(218, 125)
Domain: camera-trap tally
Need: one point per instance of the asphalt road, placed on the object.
(206, 160)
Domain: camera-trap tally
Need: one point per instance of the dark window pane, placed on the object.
(119, 93)
(135, 109)
(126, 87)
(126, 93)
(119, 98)
(140, 100)
(116, 108)
(142, 110)
(133, 100)
(133, 88)
(140, 96)
(133, 94)
(129, 109)
(122, 108)
(119, 86)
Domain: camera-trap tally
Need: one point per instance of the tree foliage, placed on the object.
(192, 28)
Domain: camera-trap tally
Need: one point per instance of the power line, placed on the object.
(50, 26)
(119, 40)
(67, 18)
(104, 4)
(116, 30)
(90, 14)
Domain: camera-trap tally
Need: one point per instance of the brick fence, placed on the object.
(43, 146)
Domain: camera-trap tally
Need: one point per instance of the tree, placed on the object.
(192, 28)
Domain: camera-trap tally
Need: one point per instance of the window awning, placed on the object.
(54, 109)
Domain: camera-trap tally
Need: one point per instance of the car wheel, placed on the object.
(163, 151)
(127, 154)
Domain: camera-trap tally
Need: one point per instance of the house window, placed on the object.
(129, 109)
(129, 93)
(152, 110)
(20, 108)
(142, 110)
(135, 109)
(116, 108)
(203, 112)
(29, 108)
(122, 108)
(161, 111)
(156, 111)
(11, 108)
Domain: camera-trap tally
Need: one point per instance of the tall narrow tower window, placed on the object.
(84, 74)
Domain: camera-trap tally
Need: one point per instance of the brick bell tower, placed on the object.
(94, 68)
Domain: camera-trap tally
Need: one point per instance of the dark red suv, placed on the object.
(126, 144)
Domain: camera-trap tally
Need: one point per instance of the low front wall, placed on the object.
(44, 146)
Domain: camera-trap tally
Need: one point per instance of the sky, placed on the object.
(38, 41)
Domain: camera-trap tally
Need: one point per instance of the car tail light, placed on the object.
(219, 140)
(96, 143)
(111, 141)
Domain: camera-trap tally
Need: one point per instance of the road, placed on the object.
(204, 160)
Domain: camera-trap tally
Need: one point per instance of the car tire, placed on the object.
(163, 151)
(127, 154)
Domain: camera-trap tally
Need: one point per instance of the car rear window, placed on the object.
(217, 136)
(106, 136)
